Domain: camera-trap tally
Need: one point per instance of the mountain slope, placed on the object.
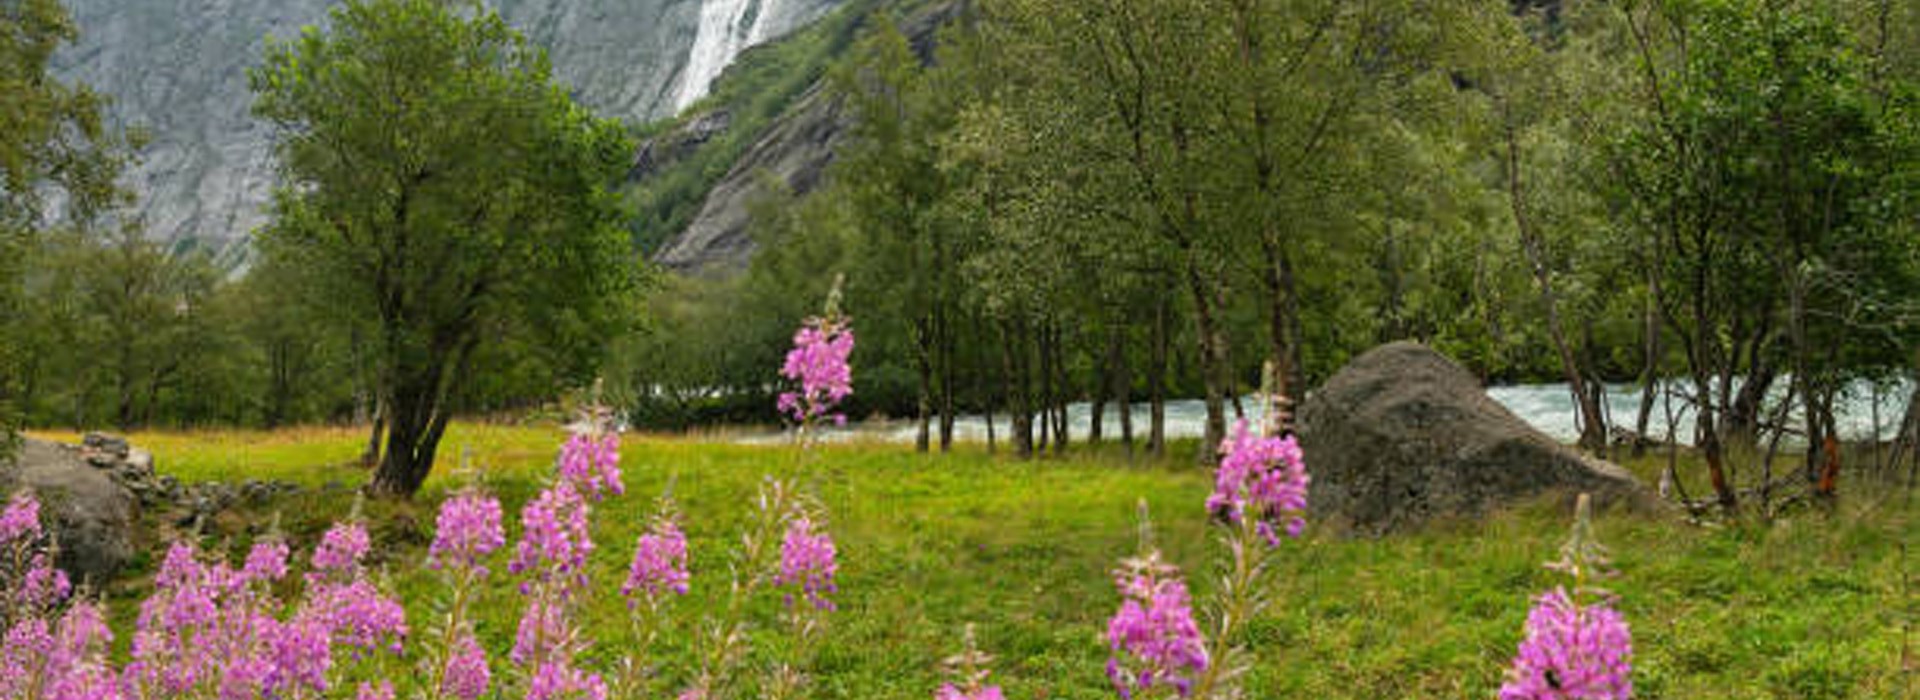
(178, 68)
(772, 118)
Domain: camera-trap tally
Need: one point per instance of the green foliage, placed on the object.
(53, 142)
(439, 183)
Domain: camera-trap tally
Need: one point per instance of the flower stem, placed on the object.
(1239, 605)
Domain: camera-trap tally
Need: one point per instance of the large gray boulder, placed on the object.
(1402, 435)
(90, 512)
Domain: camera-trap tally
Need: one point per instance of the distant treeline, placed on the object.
(1152, 198)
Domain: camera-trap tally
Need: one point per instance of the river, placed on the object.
(1547, 407)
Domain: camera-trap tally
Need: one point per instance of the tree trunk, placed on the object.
(1282, 319)
(923, 363)
(1120, 383)
(991, 447)
(1019, 412)
(1043, 404)
(371, 456)
(1062, 433)
(1740, 419)
(1593, 429)
(946, 380)
(417, 414)
(1650, 374)
(1213, 353)
(1097, 403)
(1157, 380)
(417, 419)
(1708, 437)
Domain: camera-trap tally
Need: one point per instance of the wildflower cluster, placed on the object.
(591, 463)
(807, 562)
(555, 541)
(1263, 477)
(30, 586)
(552, 556)
(659, 562)
(818, 363)
(466, 532)
(20, 521)
(63, 660)
(214, 630)
(1574, 650)
(1154, 639)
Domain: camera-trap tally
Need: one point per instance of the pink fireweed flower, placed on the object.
(558, 681)
(167, 658)
(555, 541)
(369, 691)
(818, 362)
(953, 692)
(299, 655)
(43, 586)
(359, 616)
(808, 559)
(76, 666)
(467, 530)
(1264, 476)
(21, 519)
(266, 562)
(1572, 653)
(339, 553)
(23, 654)
(542, 633)
(467, 674)
(1154, 639)
(659, 563)
(592, 464)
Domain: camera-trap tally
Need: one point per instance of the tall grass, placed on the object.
(1814, 606)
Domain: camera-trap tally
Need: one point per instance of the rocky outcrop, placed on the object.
(1402, 435)
(796, 150)
(662, 151)
(178, 68)
(92, 515)
(95, 494)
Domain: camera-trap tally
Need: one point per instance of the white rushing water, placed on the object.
(1547, 407)
(727, 27)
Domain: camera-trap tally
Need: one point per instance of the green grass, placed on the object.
(1817, 606)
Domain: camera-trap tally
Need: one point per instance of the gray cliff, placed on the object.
(178, 69)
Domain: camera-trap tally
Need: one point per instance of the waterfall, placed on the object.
(726, 28)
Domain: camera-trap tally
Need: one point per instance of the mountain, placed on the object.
(178, 69)
(772, 119)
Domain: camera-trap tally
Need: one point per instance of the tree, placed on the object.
(889, 175)
(1529, 93)
(52, 141)
(1761, 158)
(443, 185)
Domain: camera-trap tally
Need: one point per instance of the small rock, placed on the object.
(109, 444)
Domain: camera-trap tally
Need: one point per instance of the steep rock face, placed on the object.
(1402, 435)
(178, 68)
(795, 150)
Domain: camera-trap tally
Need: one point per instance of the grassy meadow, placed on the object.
(1817, 606)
